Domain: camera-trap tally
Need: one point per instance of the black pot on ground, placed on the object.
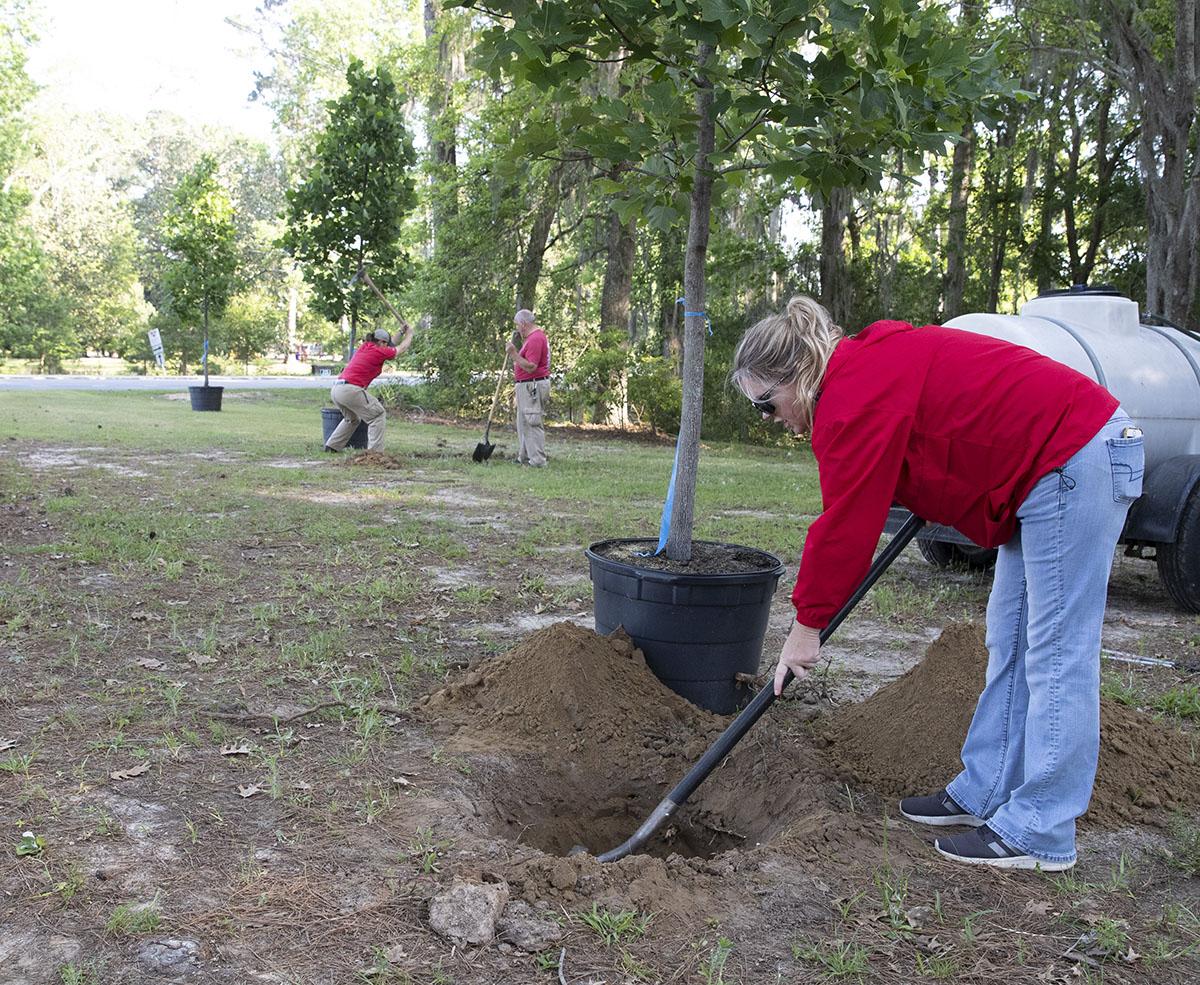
(698, 631)
(206, 397)
(331, 417)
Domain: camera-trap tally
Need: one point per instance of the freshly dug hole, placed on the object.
(582, 741)
(906, 738)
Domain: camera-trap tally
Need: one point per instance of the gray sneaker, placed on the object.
(939, 810)
(984, 847)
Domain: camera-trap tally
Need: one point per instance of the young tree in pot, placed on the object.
(347, 211)
(200, 237)
(716, 91)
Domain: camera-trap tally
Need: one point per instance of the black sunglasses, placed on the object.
(764, 404)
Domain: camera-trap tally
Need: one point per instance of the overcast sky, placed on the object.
(131, 56)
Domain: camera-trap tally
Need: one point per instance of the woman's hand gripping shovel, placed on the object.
(753, 711)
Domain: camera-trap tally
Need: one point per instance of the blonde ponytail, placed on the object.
(794, 345)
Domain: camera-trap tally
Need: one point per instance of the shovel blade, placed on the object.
(482, 452)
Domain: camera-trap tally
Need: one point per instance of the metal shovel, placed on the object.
(483, 450)
(753, 711)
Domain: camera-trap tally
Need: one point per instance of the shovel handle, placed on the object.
(495, 397)
(379, 294)
(762, 701)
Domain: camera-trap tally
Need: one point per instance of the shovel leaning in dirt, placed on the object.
(483, 450)
(753, 711)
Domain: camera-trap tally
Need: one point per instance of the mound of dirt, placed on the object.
(566, 689)
(583, 740)
(906, 738)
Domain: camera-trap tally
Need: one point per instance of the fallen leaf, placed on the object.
(248, 790)
(200, 660)
(6, 744)
(149, 663)
(1039, 908)
(235, 749)
(301, 785)
(400, 781)
(131, 772)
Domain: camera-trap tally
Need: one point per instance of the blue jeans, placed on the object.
(1030, 754)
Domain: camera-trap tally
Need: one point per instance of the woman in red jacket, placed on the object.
(1015, 451)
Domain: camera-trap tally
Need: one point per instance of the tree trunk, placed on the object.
(679, 538)
(955, 281)
(539, 234)
(1165, 90)
(669, 280)
(206, 342)
(441, 127)
(837, 293)
(615, 306)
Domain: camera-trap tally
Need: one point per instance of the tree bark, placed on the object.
(955, 280)
(679, 537)
(539, 234)
(1165, 90)
(615, 304)
(837, 293)
(441, 127)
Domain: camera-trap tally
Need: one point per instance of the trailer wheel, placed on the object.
(944, 555)
(1179, 563)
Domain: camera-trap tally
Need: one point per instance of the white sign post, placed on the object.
(157, 346)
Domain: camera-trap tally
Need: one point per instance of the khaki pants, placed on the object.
(532, 397)
(357, 405)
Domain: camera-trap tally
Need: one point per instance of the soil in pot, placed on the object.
(707, 558)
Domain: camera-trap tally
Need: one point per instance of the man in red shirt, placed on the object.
(349, 394)
(1014, 450)
(531, 373)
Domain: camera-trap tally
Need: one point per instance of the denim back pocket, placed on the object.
(1128, 459)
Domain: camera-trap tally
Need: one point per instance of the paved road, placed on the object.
(64, 382)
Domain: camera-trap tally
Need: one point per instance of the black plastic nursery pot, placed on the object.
(331, 417)
(206, 397)
(698, 631)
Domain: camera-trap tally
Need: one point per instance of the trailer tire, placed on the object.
(1179, 563)
(941, 554)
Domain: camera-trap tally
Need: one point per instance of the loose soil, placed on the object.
(906, 739)
(708, 558)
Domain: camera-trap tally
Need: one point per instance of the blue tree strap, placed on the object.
(664, 527)
(696, 314)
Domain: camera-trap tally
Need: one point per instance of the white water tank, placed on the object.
(1153, 370)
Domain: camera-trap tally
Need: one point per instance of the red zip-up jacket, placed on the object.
(956, 427)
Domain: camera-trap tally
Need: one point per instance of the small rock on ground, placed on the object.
(171, 956)
(468, 912)
(528, 929)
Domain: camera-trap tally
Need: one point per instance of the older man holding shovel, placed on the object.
(531, 373)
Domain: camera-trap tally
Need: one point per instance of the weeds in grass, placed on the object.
(1116, 688)
(18, 763)
(969, 932)
(134, 918)
(78, 974)
(893, 892)
(1183, 849)
(378, 801)
(936, 966)
(1181, 702)
(426, 852)
(474, 596)
(1109, 936)
(713, 971)
(840, 959)
(615, 928)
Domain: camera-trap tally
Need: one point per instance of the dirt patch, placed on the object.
(376, 460)
(585, 740)
(708, 558)
(906, 738)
